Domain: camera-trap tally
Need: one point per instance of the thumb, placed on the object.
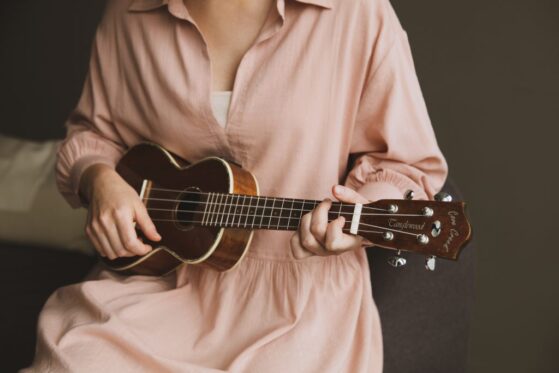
(345, 194)
(146, 225)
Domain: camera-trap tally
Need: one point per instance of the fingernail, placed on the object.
(339, 189)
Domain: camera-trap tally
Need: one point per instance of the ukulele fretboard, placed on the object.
(245, 211)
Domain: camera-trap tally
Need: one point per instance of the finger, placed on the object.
(319, 220)
(297, 249)
(95, 241)
(337, 240)
(128, 236)
(146, 224)
(307, 239)
(104, 241)
(112, 234)
(345, 194)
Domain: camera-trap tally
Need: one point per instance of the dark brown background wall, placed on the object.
(490, 75)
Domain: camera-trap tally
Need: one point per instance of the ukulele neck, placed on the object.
(260, 212)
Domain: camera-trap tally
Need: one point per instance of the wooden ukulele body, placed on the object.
(160, 178)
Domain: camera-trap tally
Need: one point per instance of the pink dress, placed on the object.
(327, 94)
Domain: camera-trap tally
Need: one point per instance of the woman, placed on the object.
(322, 92)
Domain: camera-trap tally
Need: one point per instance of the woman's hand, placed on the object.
(114, 206)
(318, 237)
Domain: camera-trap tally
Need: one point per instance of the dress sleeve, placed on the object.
(91, 136)
(393, 143)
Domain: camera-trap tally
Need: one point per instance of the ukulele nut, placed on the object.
(423, 239)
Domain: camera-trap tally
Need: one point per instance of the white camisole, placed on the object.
(220, 106)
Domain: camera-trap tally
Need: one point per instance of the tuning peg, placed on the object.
(443, 197)
(430, 263)
(398, 260)
(409, 194)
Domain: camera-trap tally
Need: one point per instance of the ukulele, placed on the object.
(206, 213)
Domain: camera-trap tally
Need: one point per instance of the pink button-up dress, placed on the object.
(327, 94)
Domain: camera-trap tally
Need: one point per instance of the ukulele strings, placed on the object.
(219, 204)
(293, 200)
(229, 212)
(232, 224)
(289, 227)
(244, 196)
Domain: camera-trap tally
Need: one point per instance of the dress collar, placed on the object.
(145, 5)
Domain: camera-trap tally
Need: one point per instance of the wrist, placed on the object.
(90, 177)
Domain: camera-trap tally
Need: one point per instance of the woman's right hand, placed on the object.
(114, 207)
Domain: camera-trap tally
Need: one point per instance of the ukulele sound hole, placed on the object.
(188, 211)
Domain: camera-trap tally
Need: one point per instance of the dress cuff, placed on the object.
(76, 173)
(388, 184)
(378, 190)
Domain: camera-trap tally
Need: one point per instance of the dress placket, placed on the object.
(230, 137)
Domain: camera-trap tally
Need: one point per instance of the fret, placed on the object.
(218, 209)
(255, 211)
(212, 209)
(297, 212)
(248, 211)
(232, 209)
(271, 213)
(227, 222)
(235, 210)
(229, 207)
(242, 210)
(332, 214)
(263, 215)
(290, 214)
(205, 209)
(240, 214)
(224, 214)
(221, 206)
(231, 212)
(281, 213)
(340, 213)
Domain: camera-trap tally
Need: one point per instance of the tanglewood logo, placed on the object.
(393, 223)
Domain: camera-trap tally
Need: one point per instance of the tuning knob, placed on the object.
(443, 197)
(409, 194)
(397, 261)
(430, 263)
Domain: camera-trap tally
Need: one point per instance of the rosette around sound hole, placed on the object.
(189, 210)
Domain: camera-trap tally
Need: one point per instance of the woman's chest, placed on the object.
(228, 30)
(291, 83)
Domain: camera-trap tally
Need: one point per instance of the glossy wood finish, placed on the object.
(410, 221)
(218, 248)
(206, 213)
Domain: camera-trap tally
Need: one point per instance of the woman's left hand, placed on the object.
(316, 236)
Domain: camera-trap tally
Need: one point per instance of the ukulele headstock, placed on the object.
(432, 228)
